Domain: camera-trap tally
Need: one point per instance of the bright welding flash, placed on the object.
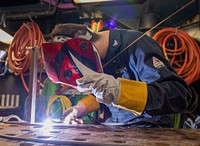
(47, 124)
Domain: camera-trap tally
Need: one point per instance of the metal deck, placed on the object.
(95, 135)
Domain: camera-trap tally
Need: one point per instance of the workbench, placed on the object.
(12, 134)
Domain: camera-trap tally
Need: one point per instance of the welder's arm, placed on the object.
(126, 94)
(83, 107)
(167, 92)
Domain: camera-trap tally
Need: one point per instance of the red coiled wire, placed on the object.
(184, 55)
(19, 54)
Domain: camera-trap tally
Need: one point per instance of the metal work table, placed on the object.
(94, 135)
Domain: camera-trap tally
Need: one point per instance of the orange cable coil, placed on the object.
(184, 55)
(19, 54)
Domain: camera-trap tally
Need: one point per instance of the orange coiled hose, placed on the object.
(19, 54)
(183, 53)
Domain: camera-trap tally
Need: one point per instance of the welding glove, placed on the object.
(104, 87)
(83, 107)
(73, 113)
(123, 93)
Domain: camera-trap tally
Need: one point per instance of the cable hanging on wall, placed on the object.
(19, 56)
(182, 51)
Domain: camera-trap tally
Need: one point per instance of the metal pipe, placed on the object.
(32, 85)
(30, 14)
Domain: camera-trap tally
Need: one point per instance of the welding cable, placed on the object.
(93, 120)
(19, 54)
(66, 103)
(189, 123)
(182, 51)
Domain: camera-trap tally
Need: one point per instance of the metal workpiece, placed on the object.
(14, 118)
(95, 135)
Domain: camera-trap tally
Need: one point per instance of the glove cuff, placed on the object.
(132, 96)
(90, 103)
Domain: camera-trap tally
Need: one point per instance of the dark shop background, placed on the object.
(142, 15)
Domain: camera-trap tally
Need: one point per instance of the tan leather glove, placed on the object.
(72, 115)
(127, 94)
(83, 107)
(104, 87)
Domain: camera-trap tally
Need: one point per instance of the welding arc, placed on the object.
(183, 55)
(19, 56)
(148, 32)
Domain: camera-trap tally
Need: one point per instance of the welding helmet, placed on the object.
(67, 61)
(3, 62)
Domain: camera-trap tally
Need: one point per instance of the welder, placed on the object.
(137, 85)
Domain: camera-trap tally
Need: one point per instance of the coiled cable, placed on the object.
(65, 102)
(19, 54)
(182, 51)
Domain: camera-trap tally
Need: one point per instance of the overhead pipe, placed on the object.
(5, 17)
(60, 6)
(150, 16)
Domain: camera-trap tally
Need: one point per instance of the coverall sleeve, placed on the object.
(159, 89)
(167, 92)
